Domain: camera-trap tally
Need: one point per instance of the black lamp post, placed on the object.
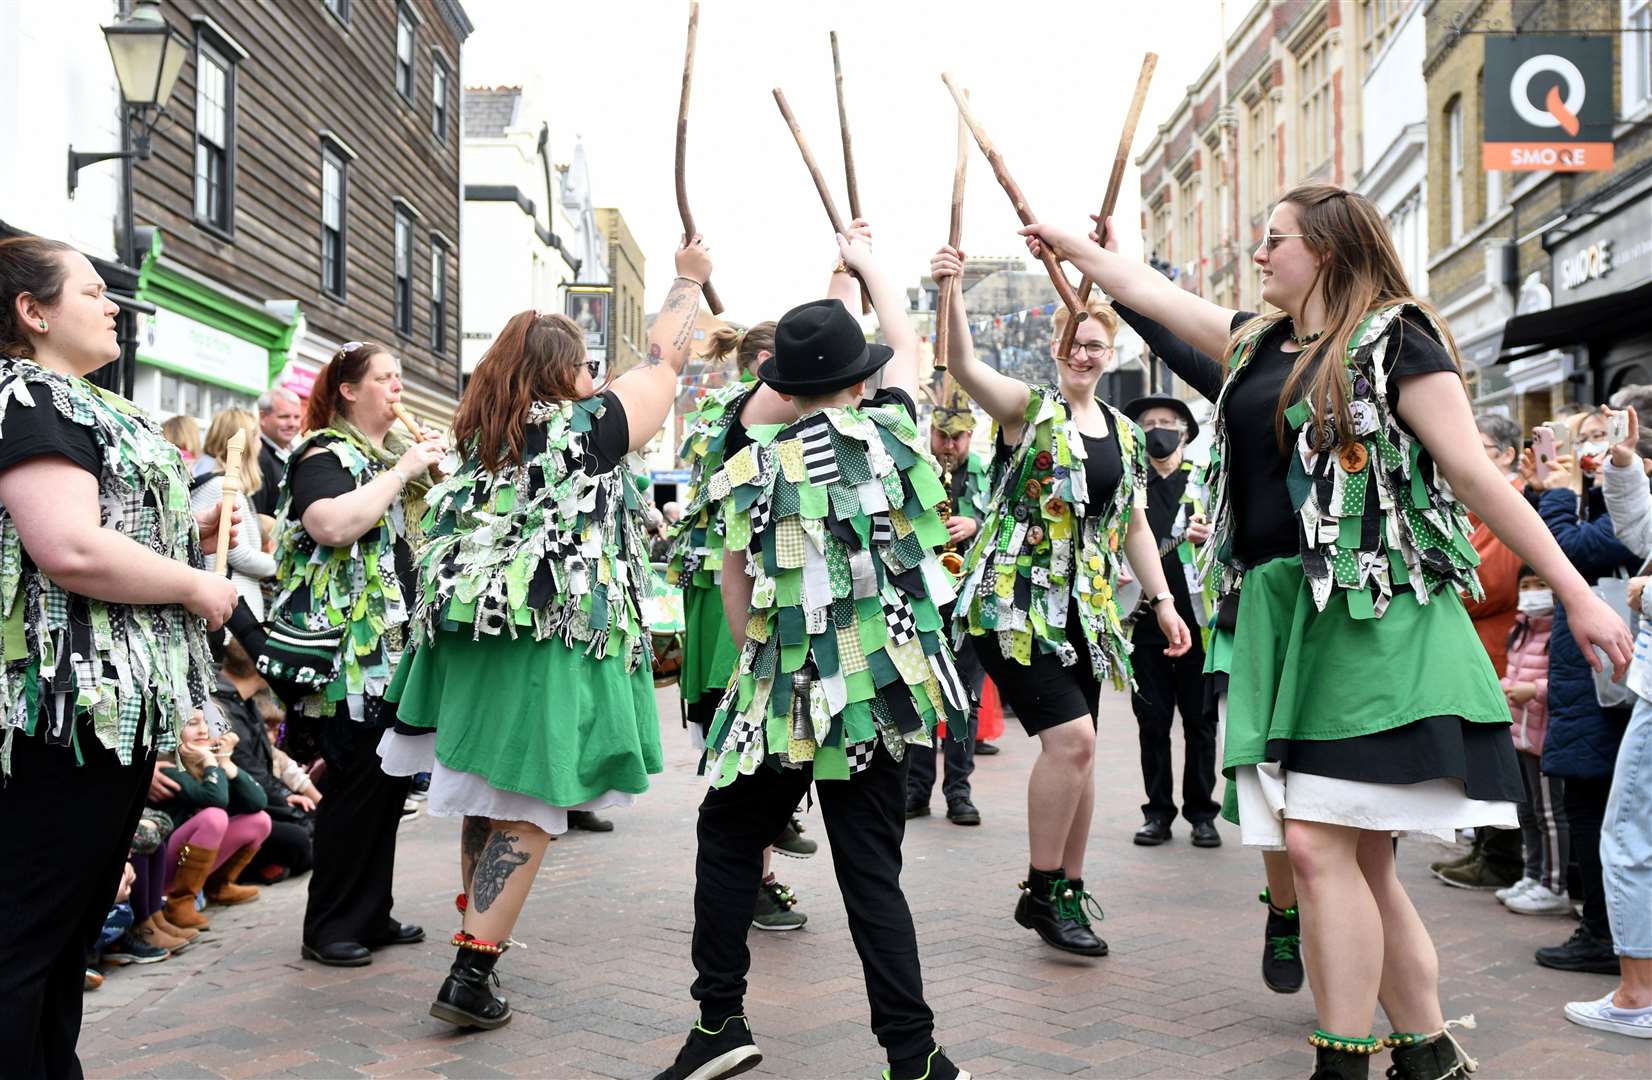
(148, 54)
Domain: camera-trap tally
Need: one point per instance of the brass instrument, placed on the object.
(951, 560)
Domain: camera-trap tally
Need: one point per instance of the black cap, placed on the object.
(1164, 401)
(818, 349)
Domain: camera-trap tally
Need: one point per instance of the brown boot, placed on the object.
(183, 933)
(150, 934)
(191, 873)
(221, 887)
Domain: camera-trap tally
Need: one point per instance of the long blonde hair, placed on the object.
(224, 426)
(1359, 272)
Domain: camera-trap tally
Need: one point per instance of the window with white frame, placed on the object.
(1637, 54)
(214, 135)
(1189, 238)
(438, 98)
(404, 51)
(1314, 72)
(404, 271)
(1454, 167)
(1377, 19)
(340, 10)
(438, 295)
(333, 195)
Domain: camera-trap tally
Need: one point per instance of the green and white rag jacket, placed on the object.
(127, 665)
(697, 538)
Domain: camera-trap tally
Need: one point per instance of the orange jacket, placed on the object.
(1500, 578)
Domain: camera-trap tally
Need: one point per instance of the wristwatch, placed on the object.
(1161, 598)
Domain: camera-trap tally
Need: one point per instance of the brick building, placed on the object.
(628, 332)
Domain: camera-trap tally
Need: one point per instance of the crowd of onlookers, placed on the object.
(1584, 849)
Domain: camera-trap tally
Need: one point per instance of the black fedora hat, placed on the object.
(819, 348)
(1164, 401)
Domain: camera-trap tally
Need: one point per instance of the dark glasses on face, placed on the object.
(1274, 239)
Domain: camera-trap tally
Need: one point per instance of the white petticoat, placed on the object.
(1268, 795)
(461, 794)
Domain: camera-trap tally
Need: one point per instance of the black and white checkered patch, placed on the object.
(860, 755)
(883, 531)
(745, 737)
(903, 625)
(760, 514)
(819, 462)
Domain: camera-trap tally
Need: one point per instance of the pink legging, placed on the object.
(213, 828)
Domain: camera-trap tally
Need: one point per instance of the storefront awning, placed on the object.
(1603, 318)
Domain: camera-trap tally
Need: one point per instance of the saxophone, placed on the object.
(951, 561)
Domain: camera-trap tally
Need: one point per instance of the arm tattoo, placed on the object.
(472, 838)
(653, 357)
(499, 859)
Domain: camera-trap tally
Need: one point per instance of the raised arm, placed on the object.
(1197, 321)
(889, 301)
(1004, 398)
(843, 286)
(1190, 365)
(647, 390)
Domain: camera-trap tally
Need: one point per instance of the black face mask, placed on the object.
(1162, 442)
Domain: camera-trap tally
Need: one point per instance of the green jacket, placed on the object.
(697, 538)
(242, 795)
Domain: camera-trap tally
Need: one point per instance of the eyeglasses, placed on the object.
(1272, 239)
(1095, 350)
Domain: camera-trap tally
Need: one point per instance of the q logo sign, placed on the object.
(1548, 103)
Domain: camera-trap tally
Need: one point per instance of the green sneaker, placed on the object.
(774, 908)
(793, 843)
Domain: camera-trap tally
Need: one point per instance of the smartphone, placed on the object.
(1543, 450)
(1617, 426)
(1562, 436)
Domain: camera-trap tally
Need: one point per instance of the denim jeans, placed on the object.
(1626, 839)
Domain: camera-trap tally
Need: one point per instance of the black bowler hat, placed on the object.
(818, 349)
(1164, 401)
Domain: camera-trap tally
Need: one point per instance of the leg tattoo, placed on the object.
(472, 838)
(494, 867)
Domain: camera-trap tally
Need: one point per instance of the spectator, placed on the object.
(673, 512)
(1582, 740)
(291, 796)
(280, 415)
(249, 563)
(1626, 829)
(1544, 834)
(184, 432)
(148, 862)
(218, 824)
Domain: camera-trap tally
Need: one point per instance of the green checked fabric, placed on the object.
(66, 654)
(320, 587)
(544, 550)
(846, 596)
(1041, 547)
(697, 537)
(1375, 516)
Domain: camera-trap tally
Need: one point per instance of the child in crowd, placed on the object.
(1543, 832)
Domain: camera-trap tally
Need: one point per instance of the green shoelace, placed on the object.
(1074, 904)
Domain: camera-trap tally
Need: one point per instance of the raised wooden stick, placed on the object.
(954, 234)
(712, 300)
(233, 450)
(1115, 180)
(820, 183)
(1063, 287)
(843, 123)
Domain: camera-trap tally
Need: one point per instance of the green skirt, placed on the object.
(709, 655)
(532, 717)
(1300, 673)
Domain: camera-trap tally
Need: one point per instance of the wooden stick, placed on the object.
(1115, 180)
(954, 234)
(843, 123)
(233, 450)
(1063, 287)
(820, 183)
(712, 299)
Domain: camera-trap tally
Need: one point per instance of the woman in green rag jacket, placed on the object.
(1360, 702)
(344, 574)
(528, 692)
(1071, 502)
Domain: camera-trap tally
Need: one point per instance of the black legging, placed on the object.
(1585, 807)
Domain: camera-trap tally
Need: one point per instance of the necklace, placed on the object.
(1304, 340)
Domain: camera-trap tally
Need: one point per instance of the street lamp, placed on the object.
(148, 55)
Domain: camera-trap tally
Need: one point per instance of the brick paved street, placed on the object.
(600, 990)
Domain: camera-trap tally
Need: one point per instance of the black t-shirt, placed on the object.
(41, 430)
(1164, 502)
(1103, 465)
(1265, 523)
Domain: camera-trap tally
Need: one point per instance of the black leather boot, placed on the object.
(1053, 907)
(465, 999)
(1332, 1064)
(1422, 1058)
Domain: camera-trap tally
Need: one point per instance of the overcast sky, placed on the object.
(1050, 81)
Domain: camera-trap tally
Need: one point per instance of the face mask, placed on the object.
(1536, 601)
(1596, 450)
(1162, 442)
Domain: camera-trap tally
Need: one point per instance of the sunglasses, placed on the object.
(1273, 239)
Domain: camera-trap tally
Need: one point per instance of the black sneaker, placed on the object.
(937, 1066)
(1582, 952)
(984, 748)
(711, 1055)
(131, 949)
(1282, 949)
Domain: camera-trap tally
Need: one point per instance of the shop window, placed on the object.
(214, 132)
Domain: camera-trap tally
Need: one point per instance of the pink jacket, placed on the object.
(1529, 662)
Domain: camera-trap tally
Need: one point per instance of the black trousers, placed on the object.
(355, 836)
(1165, 684)
(959, 753)
(1585, 807)
(865, 821)
(289, 844)
(67, 831)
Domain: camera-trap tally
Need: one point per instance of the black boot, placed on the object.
(1281, 948)
(1331, 1064)
(465, 999)
(1054, 907)
(1421, 1057)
